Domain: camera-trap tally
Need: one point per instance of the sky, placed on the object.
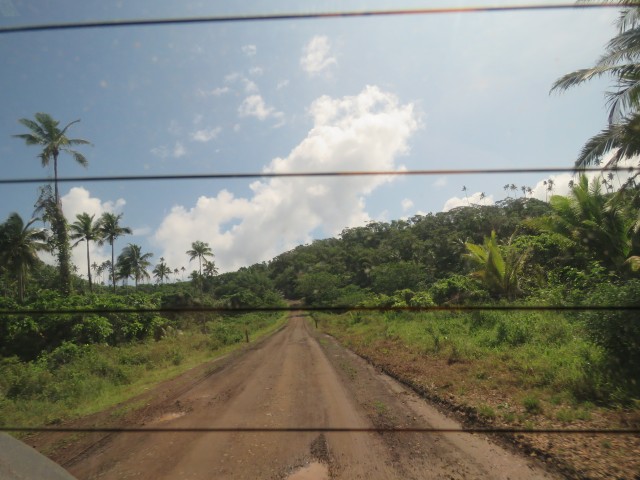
(452, 91)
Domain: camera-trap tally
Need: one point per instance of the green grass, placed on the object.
(546, 355)
(75, 380)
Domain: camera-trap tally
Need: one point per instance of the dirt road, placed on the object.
(294, 379)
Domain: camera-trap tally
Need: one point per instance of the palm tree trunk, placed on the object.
(113, 268)
(55, 178)
(21, 285)
(89, 268)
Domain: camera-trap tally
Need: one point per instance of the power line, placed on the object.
(345, 173)
(488, 430)
(329, 309)
(303, 16)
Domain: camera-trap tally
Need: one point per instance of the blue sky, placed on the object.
(420, 92)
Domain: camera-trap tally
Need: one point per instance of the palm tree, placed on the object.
(550, 185)
(183, 270)
(620, 61)
(19, 247)
(106, 266)
(85, 229)
(499, 270)
(133, 263)
(464, 190)
(590, 218)
(506, 189)
(161, 271)
(199, 250)
(210, 268)
(110, 229)
(176, 272)
(44, 131)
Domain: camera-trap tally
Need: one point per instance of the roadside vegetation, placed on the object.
(541, 365)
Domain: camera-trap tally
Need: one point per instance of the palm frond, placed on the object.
(78, 157)
(629, 18)
(583, 75)
(35, 127)
(625, 46)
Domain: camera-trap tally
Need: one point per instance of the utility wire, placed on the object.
(331, 309)
(304, 16)
(346, 173)
(489, 430)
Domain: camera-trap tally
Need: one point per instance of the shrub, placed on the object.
(617, 332)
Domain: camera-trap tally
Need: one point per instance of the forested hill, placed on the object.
(424, 252)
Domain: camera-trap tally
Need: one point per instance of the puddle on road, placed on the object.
(313, 471)
(169, 416)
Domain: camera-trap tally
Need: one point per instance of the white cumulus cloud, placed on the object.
(406, 204)
(79, 200)
(476, 198)
(216, 92)
(316, 55)
(368, 131)
(206, 134)
(255, 106)
(249, 50)
(177, 151)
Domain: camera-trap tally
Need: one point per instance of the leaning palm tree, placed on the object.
(44, 131)
(132, 262)
(19, 247)
(84, 229)
(110, 229)
(199, 250)
(621, 62)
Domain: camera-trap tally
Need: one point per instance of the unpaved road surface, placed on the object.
(297, 378)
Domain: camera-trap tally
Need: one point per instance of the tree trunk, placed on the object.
(55, 178)
(113, 268)
(89, 268)
(59, 227)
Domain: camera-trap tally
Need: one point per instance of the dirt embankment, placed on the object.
(293, 379)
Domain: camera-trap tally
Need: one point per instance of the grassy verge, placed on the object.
(76, 380)
(505, 369)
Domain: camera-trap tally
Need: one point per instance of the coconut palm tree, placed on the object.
(19, 247)
(210, 268)
(199, 250)
(591, 219)
(161, 271)
(44, 131)
(621, 62)
(84, 229)
(133, 263)
(110, 229)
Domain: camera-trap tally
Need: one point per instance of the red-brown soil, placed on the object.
(295, 378)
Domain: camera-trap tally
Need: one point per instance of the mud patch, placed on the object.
(319, 449)
(169, 416)
(313, 471)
